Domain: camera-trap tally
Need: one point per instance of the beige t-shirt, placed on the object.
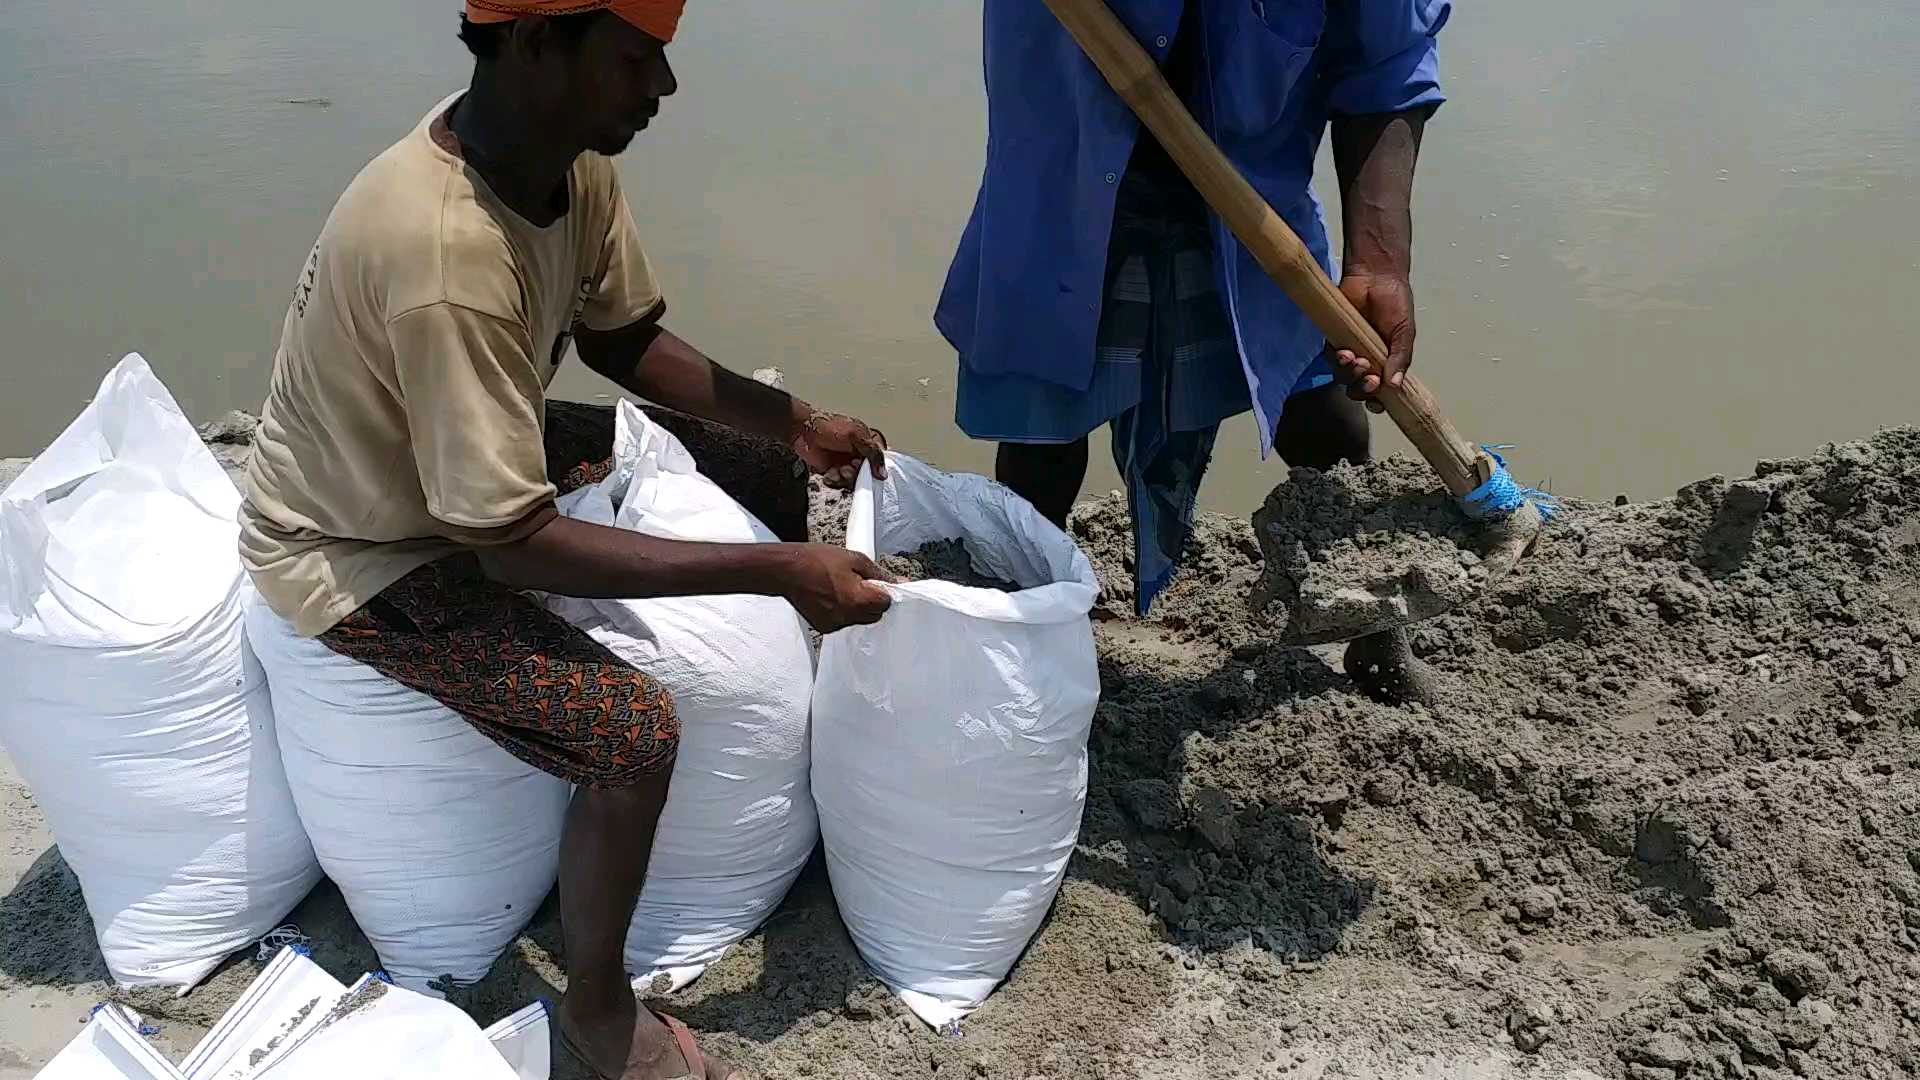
(406, 413)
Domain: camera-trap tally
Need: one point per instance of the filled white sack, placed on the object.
(442, 843)
(950, 739)
(134, 708)
(739, 823)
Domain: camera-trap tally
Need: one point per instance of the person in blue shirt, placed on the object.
(1093, 286)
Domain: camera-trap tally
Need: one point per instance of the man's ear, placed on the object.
(530, 37)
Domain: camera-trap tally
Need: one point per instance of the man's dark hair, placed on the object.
(484, 40)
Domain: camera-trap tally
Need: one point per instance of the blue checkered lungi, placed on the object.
(1167, 372)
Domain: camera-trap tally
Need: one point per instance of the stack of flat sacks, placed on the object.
(296, 1022)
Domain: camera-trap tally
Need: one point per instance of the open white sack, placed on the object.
(739, 823)
(134, 708)
(950, 739)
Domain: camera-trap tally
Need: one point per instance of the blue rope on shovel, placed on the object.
(1501, 495)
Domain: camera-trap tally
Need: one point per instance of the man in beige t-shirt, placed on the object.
(401, 492)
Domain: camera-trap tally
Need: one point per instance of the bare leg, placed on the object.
(420, 633)
(1048, 475)
(1319, 429)
(603, 864)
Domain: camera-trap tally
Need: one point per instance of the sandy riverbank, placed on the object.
(1661, 823)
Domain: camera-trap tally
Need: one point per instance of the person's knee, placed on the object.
(1321, 428)
(642, 787)
(635, 754)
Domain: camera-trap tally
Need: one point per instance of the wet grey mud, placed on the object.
(942, 560)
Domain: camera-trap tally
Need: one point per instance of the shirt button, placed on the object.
(1161, 41)
(1112, 177)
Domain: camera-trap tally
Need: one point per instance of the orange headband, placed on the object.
(657, 17)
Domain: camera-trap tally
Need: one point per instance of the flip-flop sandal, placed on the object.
(682, 1036)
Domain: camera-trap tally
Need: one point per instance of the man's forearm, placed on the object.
(1375, 156)
(657, 365)
(578, 558)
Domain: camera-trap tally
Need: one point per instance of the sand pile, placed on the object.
(1663, 822)
(1660, 824)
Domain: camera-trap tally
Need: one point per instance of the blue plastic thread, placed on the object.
(146, 1030)
(1502, 494)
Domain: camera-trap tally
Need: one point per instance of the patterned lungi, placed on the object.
(526, 678)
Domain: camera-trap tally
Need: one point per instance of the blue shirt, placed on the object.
(1023, 295)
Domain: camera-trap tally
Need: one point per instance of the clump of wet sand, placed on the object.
(1661, 823)
(1357, 547)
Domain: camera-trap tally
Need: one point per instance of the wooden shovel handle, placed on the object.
(1137, 79)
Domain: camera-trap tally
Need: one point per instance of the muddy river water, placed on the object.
(1655, 240)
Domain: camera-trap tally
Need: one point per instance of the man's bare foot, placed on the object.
(1384, 666)
(632, 1043)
